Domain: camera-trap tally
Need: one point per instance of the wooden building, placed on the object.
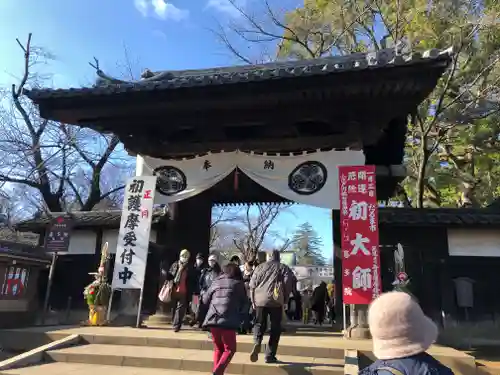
(92, 229)
(357, 102)
(452, 257)
(21, 266)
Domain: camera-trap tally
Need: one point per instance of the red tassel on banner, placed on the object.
(236, 179)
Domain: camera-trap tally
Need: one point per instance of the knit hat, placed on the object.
(399, 327)
(184, 253)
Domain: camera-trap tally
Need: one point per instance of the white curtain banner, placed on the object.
(133, 237)
(308, 178)
(182, 179)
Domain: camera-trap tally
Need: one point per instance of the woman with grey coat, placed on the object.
(226, 299)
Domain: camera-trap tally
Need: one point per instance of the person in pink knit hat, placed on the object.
(401, 335)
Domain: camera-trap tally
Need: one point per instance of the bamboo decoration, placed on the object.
(98, 292)
(104, 259)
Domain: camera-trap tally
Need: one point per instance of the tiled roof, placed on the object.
(168, 80)
(439, 216)
(18, 250)
(389, 216)
(108, 219)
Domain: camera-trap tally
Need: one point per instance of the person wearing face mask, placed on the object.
(248, 311)
(183, 276)
(200, 262)
(199, 266)
(208, 275)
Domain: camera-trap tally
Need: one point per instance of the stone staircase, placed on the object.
(154, 351)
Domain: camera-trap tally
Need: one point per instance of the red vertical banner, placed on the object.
(361, 281)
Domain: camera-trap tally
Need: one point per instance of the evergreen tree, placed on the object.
(307, 243)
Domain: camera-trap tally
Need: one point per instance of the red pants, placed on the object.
(224, 348)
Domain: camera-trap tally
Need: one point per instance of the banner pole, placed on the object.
(49, 285)
(108, 313)
(139, 308)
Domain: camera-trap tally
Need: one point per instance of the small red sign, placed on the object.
(361, 279)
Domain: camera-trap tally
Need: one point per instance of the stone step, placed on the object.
(190, 360)
(65, 368)
(310, 346)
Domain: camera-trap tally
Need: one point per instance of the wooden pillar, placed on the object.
(192, 223)
(188, 227)
(337, 266)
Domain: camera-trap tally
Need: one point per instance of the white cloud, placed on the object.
(162, 9)
(168, 11)
(227, 6)
(142, 7)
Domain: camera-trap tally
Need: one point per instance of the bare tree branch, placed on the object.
(63, 167)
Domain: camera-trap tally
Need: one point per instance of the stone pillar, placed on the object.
(169, 254)
(127, 313)
(358, 328)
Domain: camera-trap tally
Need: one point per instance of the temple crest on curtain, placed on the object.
(308, 178)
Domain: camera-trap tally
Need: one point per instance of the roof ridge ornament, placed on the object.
(146, 76)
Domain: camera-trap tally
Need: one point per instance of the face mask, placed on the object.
(184, 259)
(199, 262)
(211, 263)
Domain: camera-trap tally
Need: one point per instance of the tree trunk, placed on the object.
(424, 158)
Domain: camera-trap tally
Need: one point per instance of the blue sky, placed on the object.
(158, 35)
(286, 223)
(319, 218)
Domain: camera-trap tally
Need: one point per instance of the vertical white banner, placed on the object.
(133, 237)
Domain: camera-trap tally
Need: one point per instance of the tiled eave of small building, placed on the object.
(86, 220)
(447, 217)
(23, 252)
(169, 80)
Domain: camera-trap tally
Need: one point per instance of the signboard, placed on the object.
(133, 237)
(361, 279)
(16, 280)
(59, 233)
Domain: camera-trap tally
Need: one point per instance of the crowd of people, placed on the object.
(231, 299)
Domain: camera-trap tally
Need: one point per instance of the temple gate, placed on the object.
(342, 110)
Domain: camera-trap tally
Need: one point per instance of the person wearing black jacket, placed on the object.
(225, 299)
(319, 301)
(248, 313)
(207, 276)
(183, 275)
(199, 266)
